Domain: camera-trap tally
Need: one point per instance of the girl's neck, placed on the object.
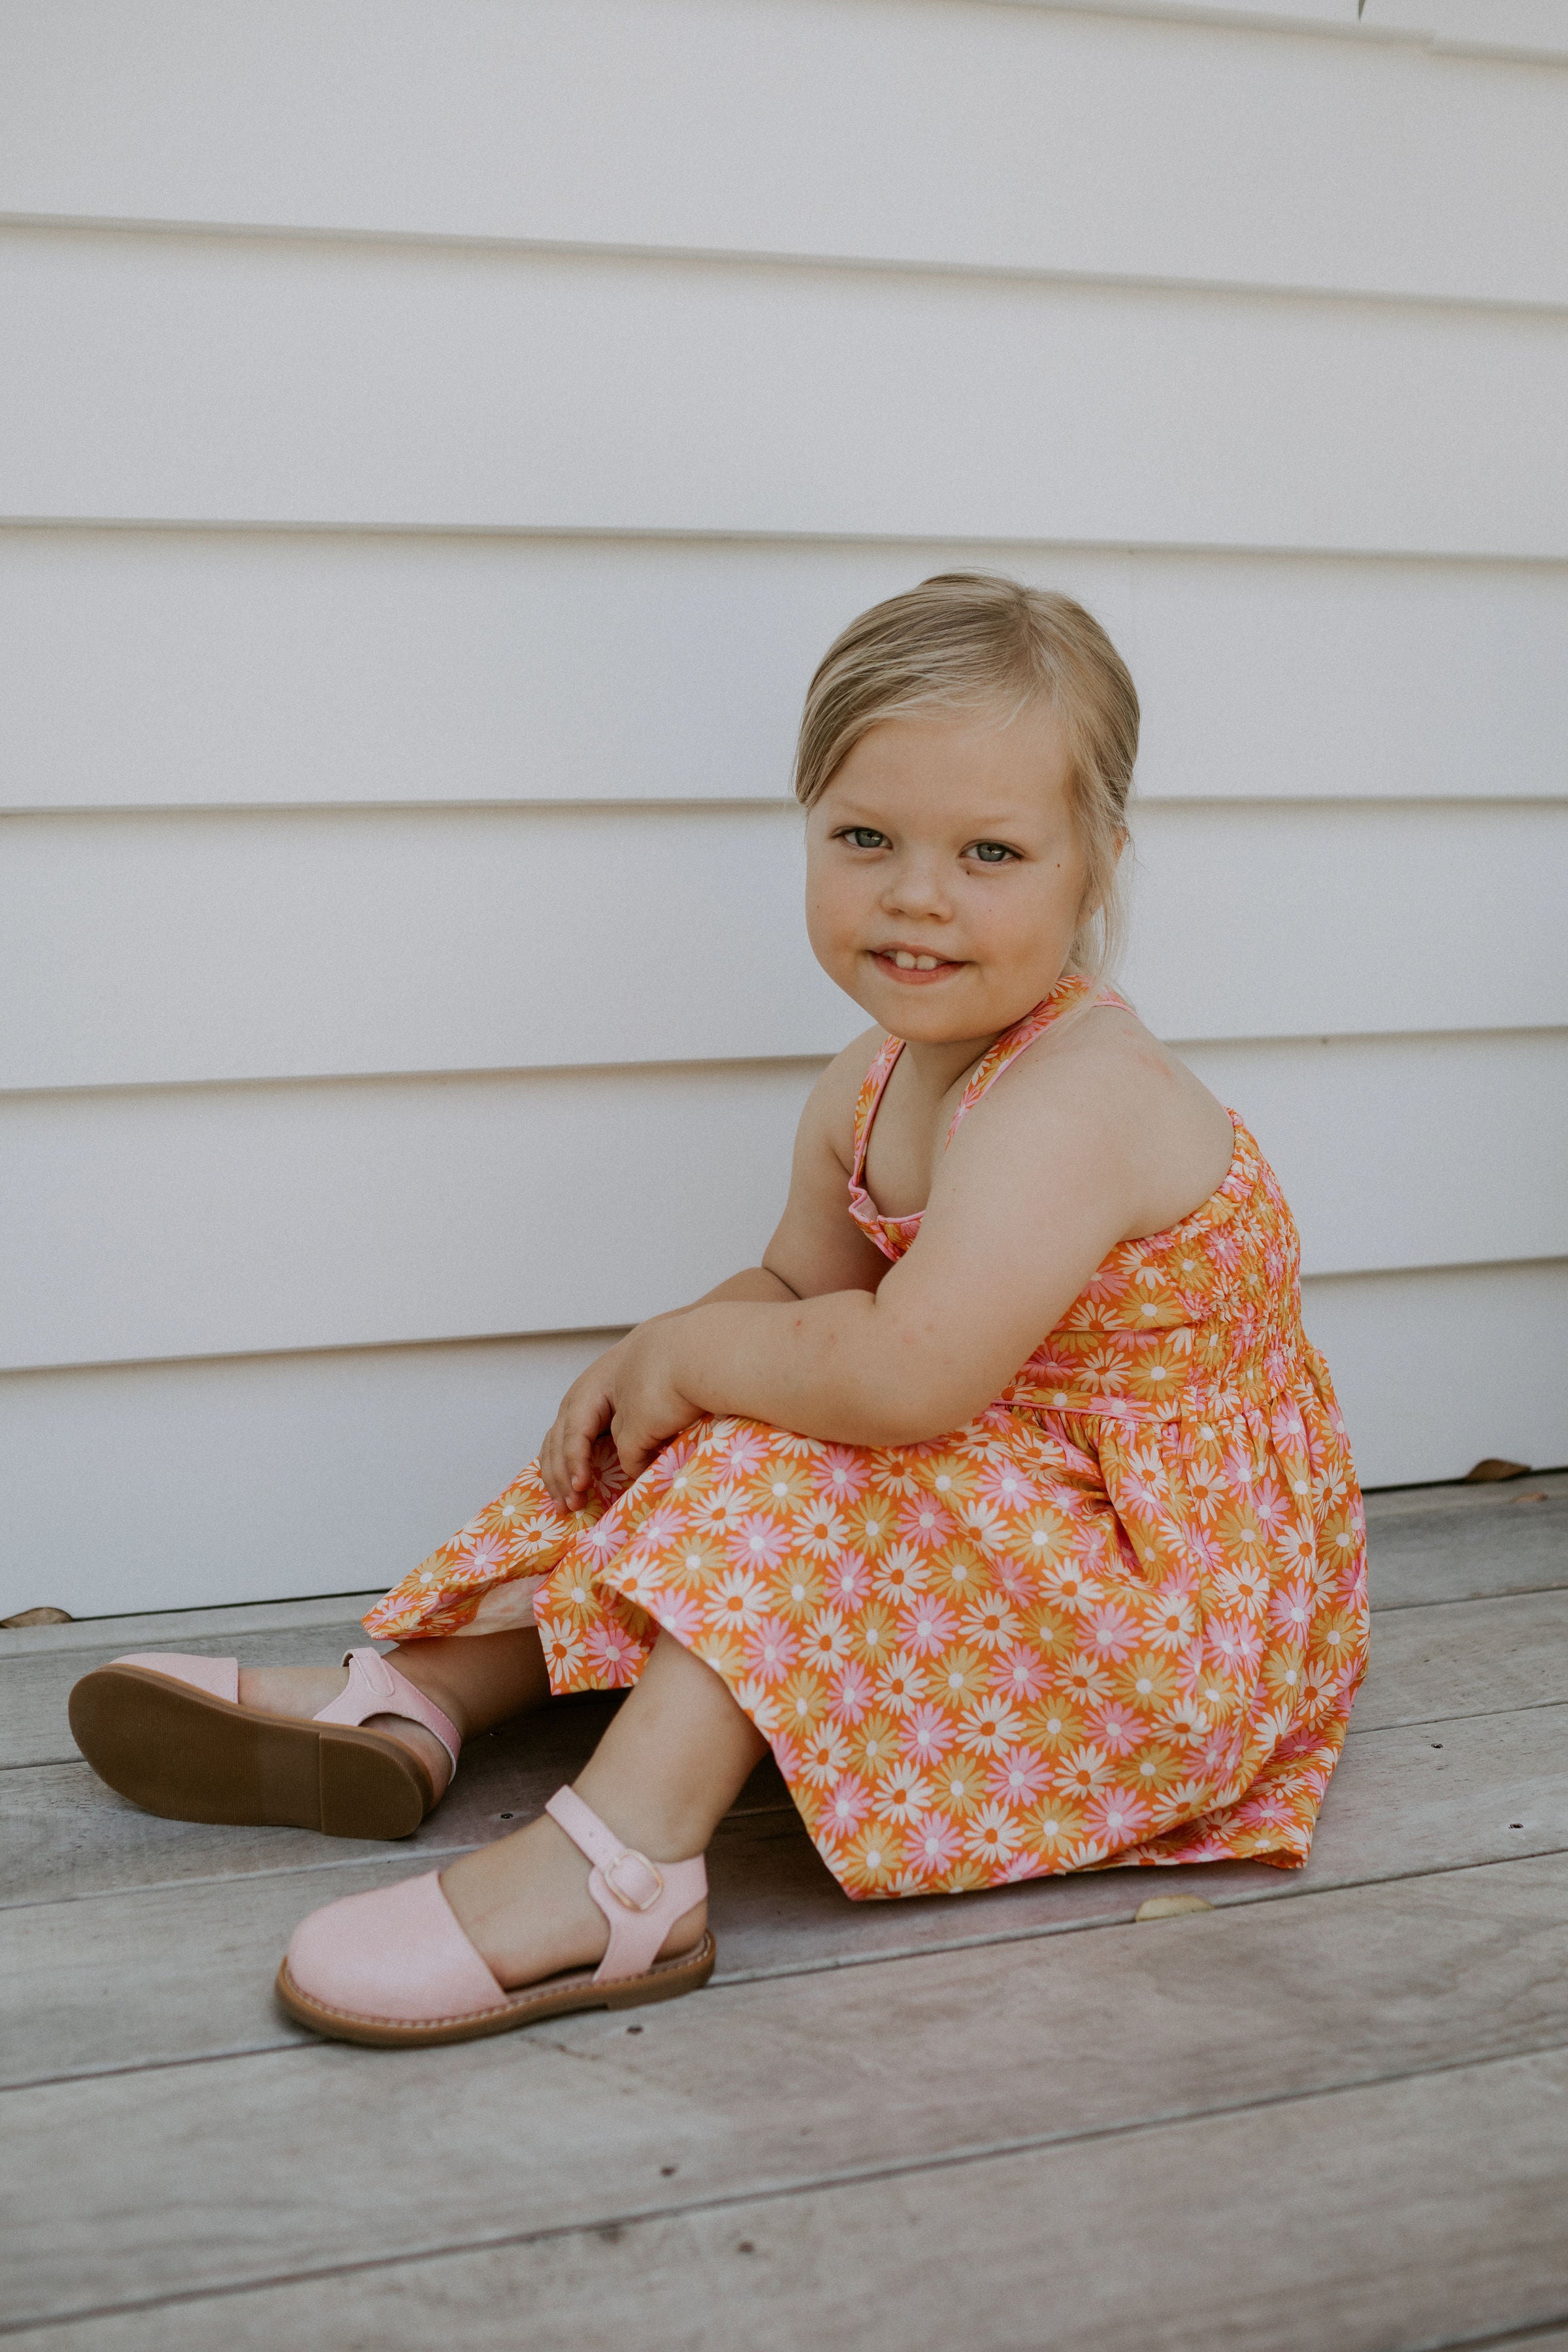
(937, 1069)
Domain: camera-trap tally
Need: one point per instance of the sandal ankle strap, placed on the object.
(376, 1688)
(641, 1899)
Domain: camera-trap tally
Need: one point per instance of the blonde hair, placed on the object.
(968, 640)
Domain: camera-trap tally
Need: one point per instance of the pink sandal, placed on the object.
(168, 1732)
(393, 1968)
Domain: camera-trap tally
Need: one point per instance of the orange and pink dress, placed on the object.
(1118, 1618)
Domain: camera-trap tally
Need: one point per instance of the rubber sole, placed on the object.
(180, 1753)
(556, 1996)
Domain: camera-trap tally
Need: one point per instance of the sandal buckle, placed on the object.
(643, 1870)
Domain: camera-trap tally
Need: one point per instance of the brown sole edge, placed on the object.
(180, 1753)
(556, 1996)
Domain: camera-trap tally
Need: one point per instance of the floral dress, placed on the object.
(1118, 1619)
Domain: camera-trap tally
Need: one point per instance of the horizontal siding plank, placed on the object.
(352, 1467)
(153, 668)
(121, 1483)
(1438, 1370)
(229, 378)
(1409, 1151)
(221, 1221)
(886, 129)
(1272, 921)
(233, 1219)
(227, 1220)
(173, 948)
(412, 939)
(1534, 29)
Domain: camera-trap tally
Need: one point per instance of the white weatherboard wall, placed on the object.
(437, 438)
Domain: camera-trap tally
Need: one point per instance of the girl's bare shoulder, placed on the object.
(830, 1111)
(1132, 1097)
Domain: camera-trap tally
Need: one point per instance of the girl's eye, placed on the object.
(864, 836)
(993, 853)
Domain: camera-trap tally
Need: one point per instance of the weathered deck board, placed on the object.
(146, 2185)
(1458, 1544)
(1464, 1657)
(1422, 2214)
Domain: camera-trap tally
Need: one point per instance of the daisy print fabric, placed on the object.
(1120, 1619)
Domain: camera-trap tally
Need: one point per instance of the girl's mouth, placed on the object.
(911, 967)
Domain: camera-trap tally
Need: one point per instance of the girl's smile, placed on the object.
(914, 967)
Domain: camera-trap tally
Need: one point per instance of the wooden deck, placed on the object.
(1331, 2113)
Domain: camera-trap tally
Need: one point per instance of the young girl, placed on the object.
(1002, 1604)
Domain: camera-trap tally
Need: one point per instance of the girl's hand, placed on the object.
(585, 1410)
(649, 1404)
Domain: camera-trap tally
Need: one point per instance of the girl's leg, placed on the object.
(479, 1680)
(662, 1778)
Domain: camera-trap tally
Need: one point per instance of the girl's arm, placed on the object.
(1046, 1176)
(817, 1249)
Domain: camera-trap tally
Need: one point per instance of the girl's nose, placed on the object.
(913, 887)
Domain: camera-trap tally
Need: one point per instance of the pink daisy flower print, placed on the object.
(843, 1471)
(771, 1647)
(927, 1625)
(847, 1804)
(927, 1733)
(757, 1541)
(849, 1579)
(1017, 1774)
(1115, 1817)
(614, 1652)
(934, 1841)
(853, 1692)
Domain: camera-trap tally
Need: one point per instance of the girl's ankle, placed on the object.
(427, 1677)
(663, 1833)
(476, 1680)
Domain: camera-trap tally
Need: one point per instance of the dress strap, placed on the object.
(1067, 994)
(870, 1095)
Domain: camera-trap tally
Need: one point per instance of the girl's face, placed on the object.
(944, 878)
